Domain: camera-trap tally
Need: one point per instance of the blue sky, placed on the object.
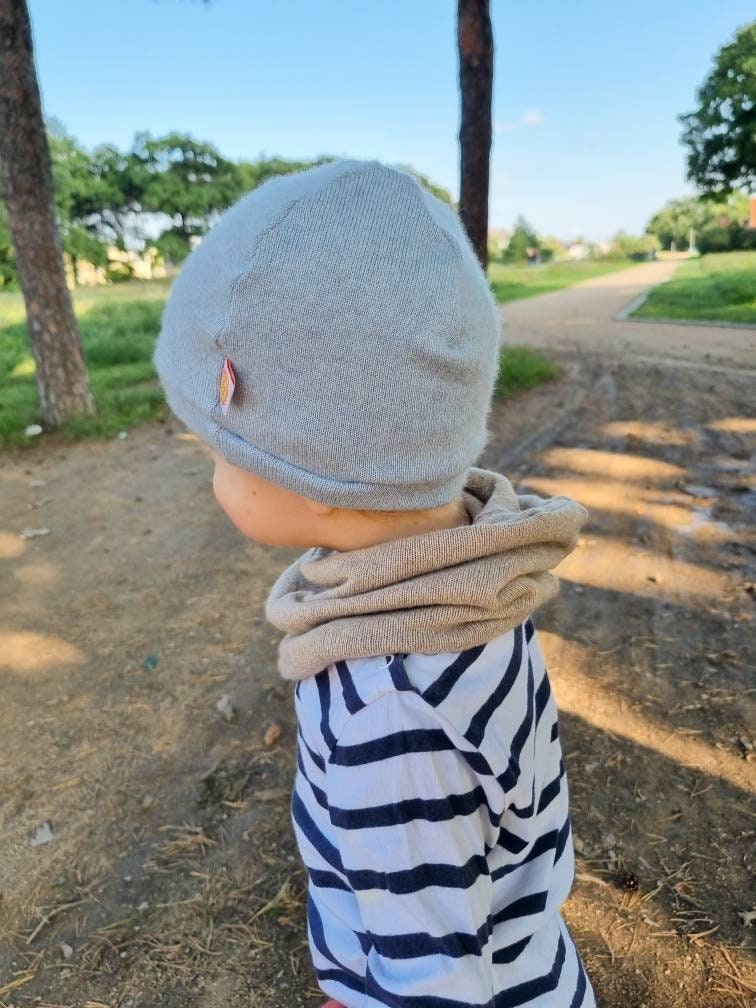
(585, 94)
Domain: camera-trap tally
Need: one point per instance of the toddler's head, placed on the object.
(334, 341)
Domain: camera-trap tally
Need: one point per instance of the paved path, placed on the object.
(582, 318)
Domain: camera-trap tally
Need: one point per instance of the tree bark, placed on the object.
(62, 379)
(475, 41)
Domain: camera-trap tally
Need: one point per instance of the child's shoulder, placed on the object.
(460, 690)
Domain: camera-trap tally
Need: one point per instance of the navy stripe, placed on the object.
(327, 880)
(523, 907)
(318, 935)
(397, 744)
(323, 682)
(318, 793)
(512, 774)
(529, 630)
(364, 940)
(509, 953)
(398, 674)
(349, 980)
(553, 840)
(455, 945)
(527, 811)
(318, 760)
(352, 699)
(522, 993)
(564, 833)
(555, 731)
(552, 789)
(476, 761)
(577, 999)
(542, 697)
(511, 842)
(396, 813)
(439, 690)
(477, 727)
(411, 880)
(323, 846)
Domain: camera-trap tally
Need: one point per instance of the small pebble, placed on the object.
(43, 835)
(225, 707)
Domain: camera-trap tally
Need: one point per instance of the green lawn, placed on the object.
(719, 287)
(119, 325)
(510, 282)
(522, 368)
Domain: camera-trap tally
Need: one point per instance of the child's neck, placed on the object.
(354, 530)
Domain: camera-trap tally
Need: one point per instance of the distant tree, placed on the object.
(61, 373)
(254, 173)
(77, 200)
(476, 49)
(523, 238)
(186, 179)
(721, 133)
(635, 246)
(676, 219)
(673, 223)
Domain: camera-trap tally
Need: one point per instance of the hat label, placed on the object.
(227, 386)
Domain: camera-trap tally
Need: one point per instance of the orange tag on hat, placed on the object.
(227, 385)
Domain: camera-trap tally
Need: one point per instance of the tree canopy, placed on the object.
(721, 133)
(719, 223)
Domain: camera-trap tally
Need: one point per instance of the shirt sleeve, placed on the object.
(413, 829)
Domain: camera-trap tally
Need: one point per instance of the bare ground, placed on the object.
(172, 877)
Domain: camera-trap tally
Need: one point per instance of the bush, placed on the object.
(117, 272)
(636, 248)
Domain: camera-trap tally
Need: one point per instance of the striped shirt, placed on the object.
(430, 808)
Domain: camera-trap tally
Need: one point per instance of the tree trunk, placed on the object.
(475, 40)
(62, 379)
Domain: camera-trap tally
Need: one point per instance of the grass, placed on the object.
(521, 368)
(512, 281)
(719, 287)
(119, 325)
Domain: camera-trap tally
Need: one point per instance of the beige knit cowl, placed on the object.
(434, 592)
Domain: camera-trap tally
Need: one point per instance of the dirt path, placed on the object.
(581, 318)
(172, 878)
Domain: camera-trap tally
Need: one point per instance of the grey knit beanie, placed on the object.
(335, 334)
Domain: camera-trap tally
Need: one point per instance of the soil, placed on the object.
(171, 877)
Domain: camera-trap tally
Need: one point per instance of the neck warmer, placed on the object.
(434, 592)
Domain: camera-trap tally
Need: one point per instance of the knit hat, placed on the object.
(335, 334)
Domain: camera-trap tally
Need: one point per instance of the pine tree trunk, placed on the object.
(475, 40)
(62, 379)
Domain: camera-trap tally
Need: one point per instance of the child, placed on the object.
(335, 342)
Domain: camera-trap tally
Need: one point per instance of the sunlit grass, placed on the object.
(719, 287)
(118, 326)
(521, 368)
(512, 281)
